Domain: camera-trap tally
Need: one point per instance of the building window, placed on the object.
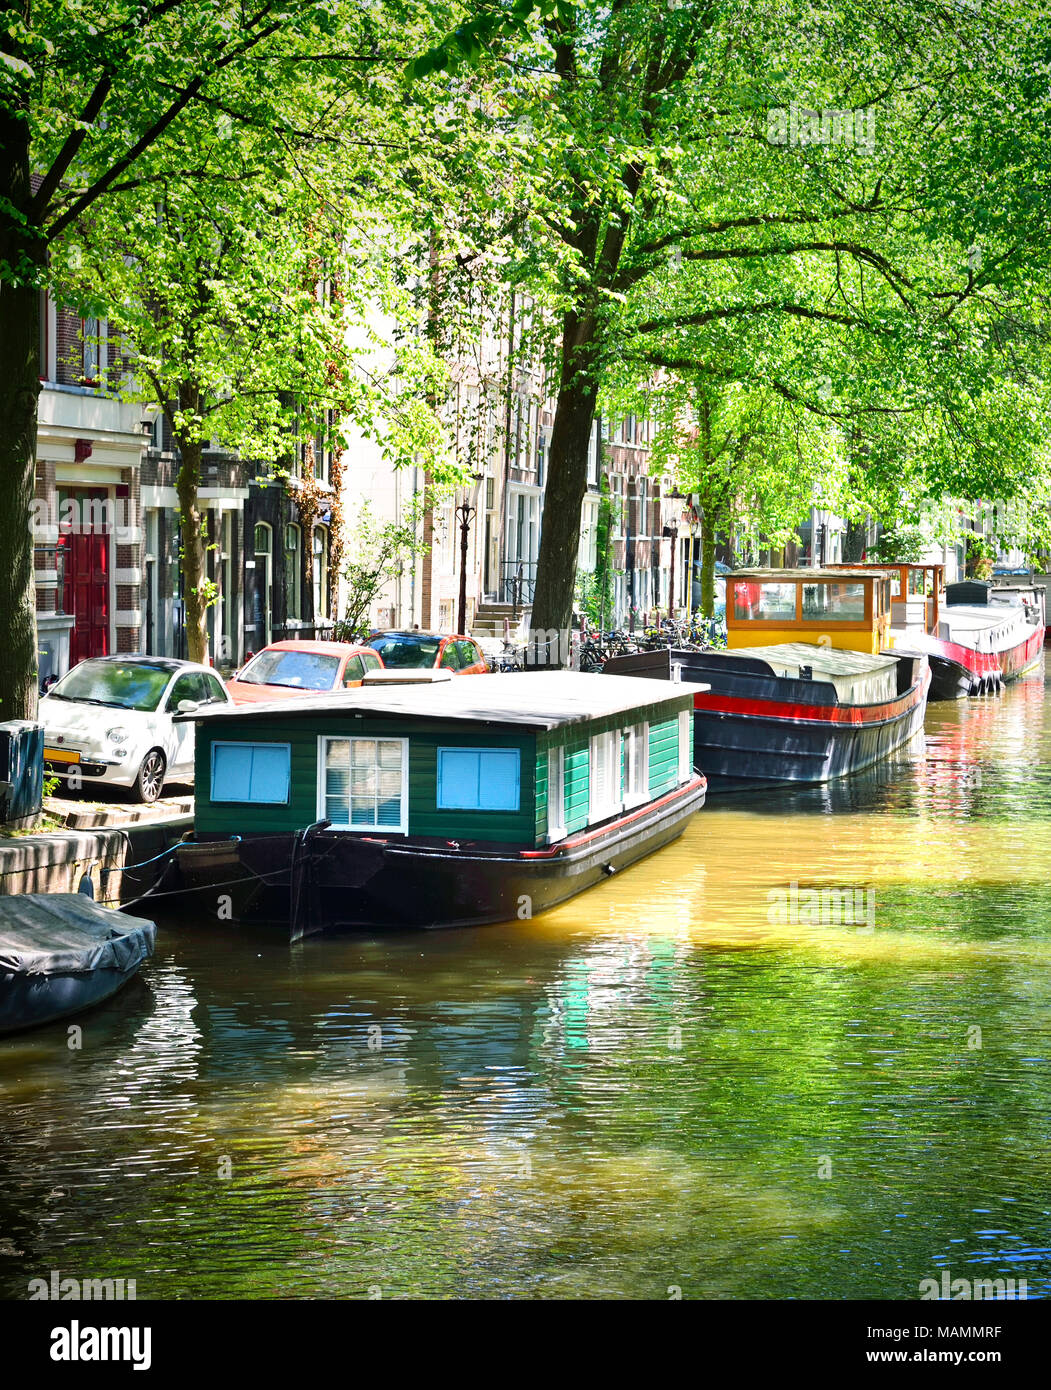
(261, 603)
(292, 563)
(251, 772)
(479, 779)
(604, 776)
(636, 764)
(685, 745)
(556, 794)
(364, 784)
(46, 337)
(94, 344)
(587, 555)
(319, 572)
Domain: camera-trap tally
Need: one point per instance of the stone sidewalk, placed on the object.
(99, 840)
(83, 813)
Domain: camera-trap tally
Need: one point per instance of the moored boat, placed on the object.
(442, 804)
(977, 635)
(785, 709)
(61, 953)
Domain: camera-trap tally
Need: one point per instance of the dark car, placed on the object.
(422, 650)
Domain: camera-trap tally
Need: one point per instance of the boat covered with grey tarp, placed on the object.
(62, 952)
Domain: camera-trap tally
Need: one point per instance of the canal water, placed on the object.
(702, 1076)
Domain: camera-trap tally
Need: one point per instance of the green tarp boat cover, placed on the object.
(67, 933)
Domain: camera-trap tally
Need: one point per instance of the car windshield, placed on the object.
(122, 684)
(407, 651)
(297, 670)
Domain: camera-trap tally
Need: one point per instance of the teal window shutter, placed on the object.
(479, 779)
(251, 772)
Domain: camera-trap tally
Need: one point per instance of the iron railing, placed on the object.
(518, 582)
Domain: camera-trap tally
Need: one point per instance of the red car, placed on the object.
(285, 669)
(416, 650)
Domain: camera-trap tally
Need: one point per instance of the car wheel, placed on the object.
(150, 777)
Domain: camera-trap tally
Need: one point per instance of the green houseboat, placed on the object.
(474, 799)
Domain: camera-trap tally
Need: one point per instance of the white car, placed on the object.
(109, 720)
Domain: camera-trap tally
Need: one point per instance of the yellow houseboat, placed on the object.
(807, 690)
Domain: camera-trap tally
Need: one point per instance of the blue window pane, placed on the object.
(458, 778)
(251, 772)
(479, 779)
(231, 772)
(270, 770)
(499, 778)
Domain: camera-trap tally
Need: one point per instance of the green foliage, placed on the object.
(881, 268)
(906, 546)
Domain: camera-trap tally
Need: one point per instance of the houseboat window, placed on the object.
(604, 776)
(765, 602)
(556, 793)
(363, 783)
(479, 779)
(251, 772)
(636, 764)
(844, 602)
(685, 745)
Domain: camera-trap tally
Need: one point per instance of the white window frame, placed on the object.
(556, 804)
(685, 745)
(636, 764)
(615, 803)
(376, 830)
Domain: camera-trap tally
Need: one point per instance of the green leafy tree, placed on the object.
(698, 176)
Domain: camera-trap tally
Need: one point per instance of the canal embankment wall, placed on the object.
(121, 861)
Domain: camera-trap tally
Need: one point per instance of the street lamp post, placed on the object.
(466, 512)
(694, 527)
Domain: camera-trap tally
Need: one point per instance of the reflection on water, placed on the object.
(654, 1085)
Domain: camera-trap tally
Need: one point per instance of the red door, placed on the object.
(86, 592)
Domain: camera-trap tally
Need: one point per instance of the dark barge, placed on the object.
(796, 711)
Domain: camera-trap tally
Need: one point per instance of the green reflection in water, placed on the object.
(655, 1086)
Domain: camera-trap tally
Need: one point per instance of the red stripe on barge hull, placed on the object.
(815, 714)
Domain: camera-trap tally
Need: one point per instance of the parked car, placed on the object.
(286, 669)
(405, 650)
(110, 717)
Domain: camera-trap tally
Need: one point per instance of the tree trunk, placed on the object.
(22, 253)
(194, 582)
(708, 571)
(564, 492)
(854, 540)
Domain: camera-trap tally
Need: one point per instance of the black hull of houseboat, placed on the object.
(331, 880)
(753, 730)
(952, 681)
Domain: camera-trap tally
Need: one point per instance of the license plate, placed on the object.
(61, 755)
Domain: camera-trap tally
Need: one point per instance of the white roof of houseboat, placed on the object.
(809, 576)
(530, 699)
(832, 661)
